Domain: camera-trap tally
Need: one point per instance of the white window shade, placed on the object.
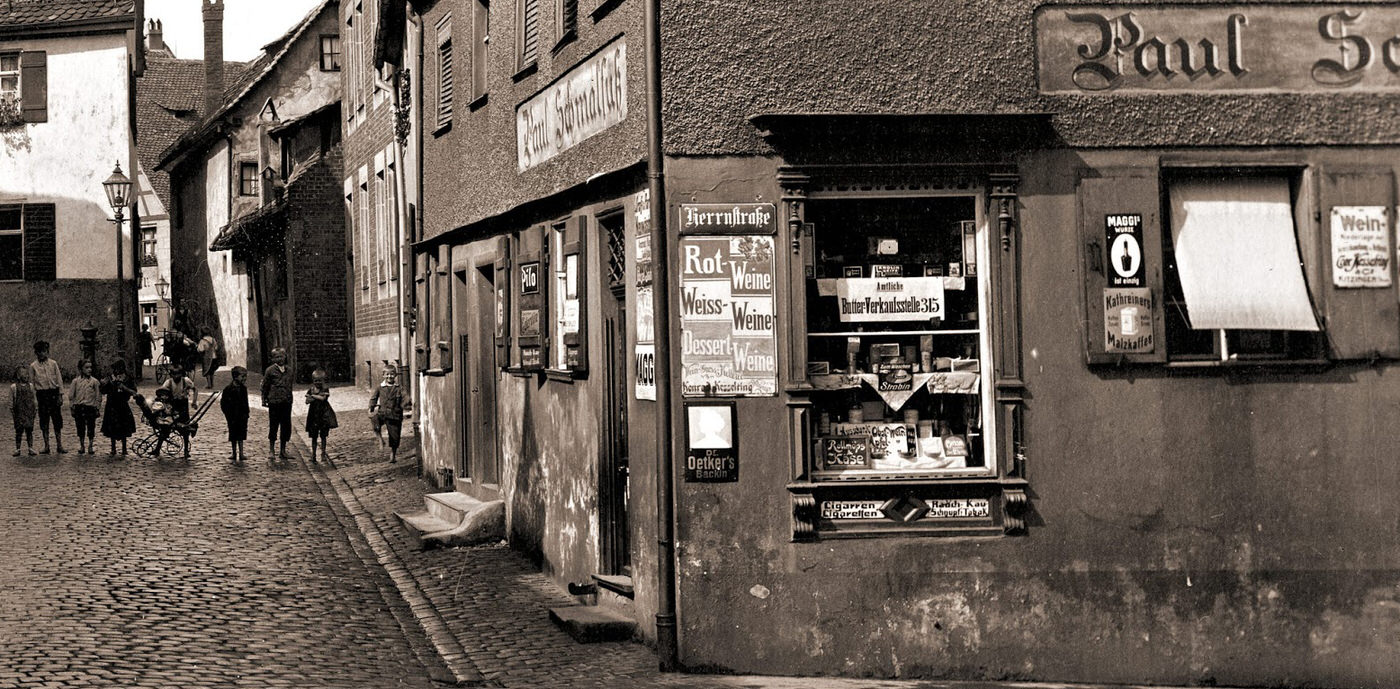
(1237, 256)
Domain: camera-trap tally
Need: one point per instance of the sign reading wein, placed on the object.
(587, 100)
(1218, 48)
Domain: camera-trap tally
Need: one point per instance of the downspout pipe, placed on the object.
(666, 647)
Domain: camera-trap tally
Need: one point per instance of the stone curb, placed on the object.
(449, 650)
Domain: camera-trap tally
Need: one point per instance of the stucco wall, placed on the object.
(65, 160)
(1212, 527)
(721, 66)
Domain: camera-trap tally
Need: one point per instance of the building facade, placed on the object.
(1053, 343)
(66, 82)
(245, 210)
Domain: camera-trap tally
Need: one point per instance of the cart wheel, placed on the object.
(145, 447)
(174, 446)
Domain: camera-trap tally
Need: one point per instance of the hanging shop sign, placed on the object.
(889, 299)
(712, 445)
(728, 326)
(1361, 245)
(728, 218)
(1218, 48)
(587, 100)
(1124, 246)
(1128, 320)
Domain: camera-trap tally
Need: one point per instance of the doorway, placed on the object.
(613, 473)
(480, 464)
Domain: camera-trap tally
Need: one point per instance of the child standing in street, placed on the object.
(23, 406)
(85, 399)
(117, 421)
(234, 404)
(386, 410)
(320, 417)
(48, 389)
(277, 397)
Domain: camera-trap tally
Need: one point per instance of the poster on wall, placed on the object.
(1127, 315)
(644, 386)
(1360, 246)
(711, 448)
(1124, 246)
(728, 338)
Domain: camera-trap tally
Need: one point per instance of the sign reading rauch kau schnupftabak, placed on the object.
(587, 100)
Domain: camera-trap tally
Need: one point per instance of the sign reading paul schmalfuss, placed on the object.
(1218, 48)
(587, 100)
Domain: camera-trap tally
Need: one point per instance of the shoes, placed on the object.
(16, 454)
(32, 452)
(61, 450)
(44, 451)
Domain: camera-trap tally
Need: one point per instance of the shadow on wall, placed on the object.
(528, 497)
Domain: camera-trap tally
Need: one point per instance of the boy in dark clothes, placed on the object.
(234, 404)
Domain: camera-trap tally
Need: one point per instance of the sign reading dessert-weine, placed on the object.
(1229, 47)
(585, 101)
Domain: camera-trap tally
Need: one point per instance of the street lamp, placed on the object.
(118, 188)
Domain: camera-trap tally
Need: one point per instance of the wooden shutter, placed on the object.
(423, 317)
(529, 32)
(40, 256)
(1361, 323)
(34, 85)
(530, 292)
(445, 330)
(576, 344)
(502, 288)
(1119, 191)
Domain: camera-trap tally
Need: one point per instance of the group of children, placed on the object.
(38, 390)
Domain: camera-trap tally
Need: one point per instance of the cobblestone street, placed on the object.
(141, 573)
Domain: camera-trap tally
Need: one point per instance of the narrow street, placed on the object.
(138, 573)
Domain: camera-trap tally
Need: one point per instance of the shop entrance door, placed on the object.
(480, 462)
(616, 550)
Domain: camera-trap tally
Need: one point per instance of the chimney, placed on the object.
(213, 56)
(155, 39)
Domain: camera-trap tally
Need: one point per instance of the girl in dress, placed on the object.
(320, 417)
(24, 405)
(117, 421)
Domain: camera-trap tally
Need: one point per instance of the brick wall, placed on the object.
(316, 236)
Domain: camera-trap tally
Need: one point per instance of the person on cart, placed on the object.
(183, 395)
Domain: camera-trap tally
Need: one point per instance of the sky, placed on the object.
(248, 24)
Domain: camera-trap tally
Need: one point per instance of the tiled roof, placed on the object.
(169, 97)
(41, 12)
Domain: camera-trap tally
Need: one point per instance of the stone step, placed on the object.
(420, 524)
(589, 624)
(451, 507)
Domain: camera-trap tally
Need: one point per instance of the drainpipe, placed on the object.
(415, 234)
(666, 650)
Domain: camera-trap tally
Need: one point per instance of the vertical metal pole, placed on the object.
(666, 646)
(121, 291)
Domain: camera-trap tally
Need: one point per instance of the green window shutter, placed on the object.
(445, 331)
(576, 344)
(34, 86)
(1119, 192)
(1361, 323)
(40, 243)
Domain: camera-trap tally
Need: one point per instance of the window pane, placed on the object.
(9, 63)
(1237, 255)
(11, 257)
(10, 218)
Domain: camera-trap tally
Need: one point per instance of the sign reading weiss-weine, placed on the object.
(1255, 47)
(587, 100)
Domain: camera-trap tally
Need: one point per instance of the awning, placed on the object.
(1237, 255)
(254, 230)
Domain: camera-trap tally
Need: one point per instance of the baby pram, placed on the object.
(169, 435)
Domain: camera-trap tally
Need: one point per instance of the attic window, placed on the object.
(330, 53)
(247, 179)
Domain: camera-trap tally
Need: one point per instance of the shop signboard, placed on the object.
(889, 299)
(644, 387)
(1128, 320)
(1227, 47)
(728, 324)
(728, 218)
(1124, 246)
(585, 101)
(933, 508)
(711, 448)
(1361, 245)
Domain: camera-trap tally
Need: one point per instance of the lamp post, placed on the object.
(118, 189)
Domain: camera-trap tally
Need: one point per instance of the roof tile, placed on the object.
(39, 12)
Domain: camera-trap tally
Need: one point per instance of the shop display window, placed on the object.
(897, 341)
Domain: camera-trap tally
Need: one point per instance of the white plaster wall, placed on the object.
(153, 212)
(230, 288)
(64, 161)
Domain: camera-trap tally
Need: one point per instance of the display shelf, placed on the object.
(887, 333)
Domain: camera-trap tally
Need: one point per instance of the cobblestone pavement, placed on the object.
(142, 573)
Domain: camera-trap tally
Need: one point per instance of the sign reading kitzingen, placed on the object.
(587, 100)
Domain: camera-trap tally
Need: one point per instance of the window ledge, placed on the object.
(526, 71)
(603, 8)
(561, 375)
(436, 372)
(443, 128)
(569, 37)
(519, 372)
(477, 104)
(1236, 364)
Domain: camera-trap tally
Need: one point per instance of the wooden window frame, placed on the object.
(480, 52)
(527, 53)
(18, 209)
(446, 75)
(330, 48)
(248, 186)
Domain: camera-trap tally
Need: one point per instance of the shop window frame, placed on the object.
(1004, 487)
